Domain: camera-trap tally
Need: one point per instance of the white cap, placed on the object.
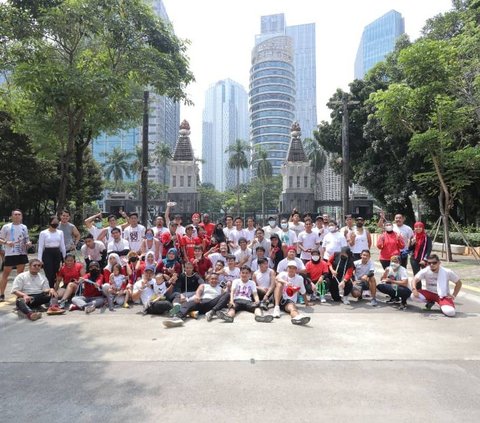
(292, 263)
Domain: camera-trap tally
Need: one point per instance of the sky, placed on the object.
(222, 34)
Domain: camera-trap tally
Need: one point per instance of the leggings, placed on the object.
(52, 257)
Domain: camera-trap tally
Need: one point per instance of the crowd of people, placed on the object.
(220, 269)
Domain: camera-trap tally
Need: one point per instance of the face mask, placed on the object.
(315, 258)
(271, 223)
(389, 228)
(94, 273)
(149, 236)
(284, 225)
(54, 225)
(99, 225)
(394, 266)
(332, 228)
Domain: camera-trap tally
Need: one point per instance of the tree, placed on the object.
(211, 200)
(162, 154)
(264, 173)
(117, 165)
(318, 159)
(238, 160)
(79, 65)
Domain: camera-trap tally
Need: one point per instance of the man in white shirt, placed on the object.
(264, 278)
(260, 240)
(437, 289)
(159, 227)
(118, 245)
(333, 241)
(134, 233)
(250, 229)
(288, 284)
(243, 255)
(221, 255)
(94, 251)
(236, 234)
(271, 228)
(307, 241)
(229, 226)
(288, 236)
(364, 277)
(296, 225)
(291, 255)
(320, 228)
(242, 293)
(260, 253)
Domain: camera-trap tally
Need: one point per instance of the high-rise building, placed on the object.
(378, 39)
(164, 120)
(225, 119)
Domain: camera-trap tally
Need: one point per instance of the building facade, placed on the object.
(225, 119)
(378, 39)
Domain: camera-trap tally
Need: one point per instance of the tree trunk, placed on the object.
(238, 191)
(80, 147)
(263, 204)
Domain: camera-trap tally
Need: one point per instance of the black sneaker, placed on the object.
(429, 305)
(264, 305)
(402, 307)
(224, 316)
(2, 298)
(264, 319)
(393, 301)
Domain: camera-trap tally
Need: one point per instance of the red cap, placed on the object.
(292, 248)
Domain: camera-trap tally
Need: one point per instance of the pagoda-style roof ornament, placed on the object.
(296, 153)
(183, 149)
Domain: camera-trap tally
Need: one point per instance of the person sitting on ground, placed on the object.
(113, 258)
(364, 278)
(201, 264)
(264, 278)
(231, 271)
(208, 299)
(93, 250)
(69, 274)
(243, 255)
(115, 290)
(291, 255)
(341, 274)
(437, 289)
(170, 265)
(32, 290)
(276, 250)
(394, 283)
(260, 253)
(316, 271)
(147, 259)
(420, 248)
(390, 244)
(186, 283)
(244, 296)
(91, 296)
(288, 284)
(151, 243)
(134, 271)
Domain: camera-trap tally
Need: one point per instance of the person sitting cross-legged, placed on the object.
(90, 296)
(209, 298)
(242, 292)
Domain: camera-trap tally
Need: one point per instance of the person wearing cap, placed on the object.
(271, 228)
(91, 290)
(188, 242)
(244, 296)
(364, 278)
(390, 243)
(291, 255)
(260, 254)
(359, 238)
(333, 242)
(134, 233)
(209, 298)
(288, 284)
(341, 274)
(308, 241)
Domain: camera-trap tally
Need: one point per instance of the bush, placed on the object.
(456, 238)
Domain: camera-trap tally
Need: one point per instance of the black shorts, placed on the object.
(284, 303)
(11, 261)
(246, 305)
(362, 285)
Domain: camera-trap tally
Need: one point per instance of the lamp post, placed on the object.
(144, 174)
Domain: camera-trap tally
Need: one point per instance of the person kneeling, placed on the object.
(242, 292)
(288, 285)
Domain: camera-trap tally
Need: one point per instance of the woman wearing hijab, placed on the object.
(113, 258)
(341, 274)
(148, 261)
(170, 264)
(420, 247)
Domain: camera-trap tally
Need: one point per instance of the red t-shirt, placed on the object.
(90, 290)
(390, 245)
(202, 266)
(189, 245)
(69, 273)
(316, 270)
(161, 268)
(209, 228)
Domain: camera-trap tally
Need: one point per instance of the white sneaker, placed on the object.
(90, 309)
(209, 315)
(322, 299)
(346, 301)
(173, 322)
(300, 320)
(276, 312)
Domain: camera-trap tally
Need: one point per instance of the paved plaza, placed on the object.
(351, 363)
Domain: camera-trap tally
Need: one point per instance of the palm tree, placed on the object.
(162, 154)
(238, 160)
(264, 173)
(117, 165)
(317, 157)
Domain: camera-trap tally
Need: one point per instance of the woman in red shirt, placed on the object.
(69, 274)
(389, 243)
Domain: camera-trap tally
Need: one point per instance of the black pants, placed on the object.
(385, 263)
(308, 285)
(404, 261)
(52, 257)
(37, 301)
(159, 307)
(332, 286)
(203, 307)
(395, 291)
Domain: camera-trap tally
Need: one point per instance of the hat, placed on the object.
(319, 218)
(150, 268)
(292, 248)
(292, 263)
(292, 290)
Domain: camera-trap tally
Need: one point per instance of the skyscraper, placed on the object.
(225, 119)
(378, 39)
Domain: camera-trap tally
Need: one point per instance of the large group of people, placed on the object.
(220, 269)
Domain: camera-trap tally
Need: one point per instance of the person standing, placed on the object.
(14, 237)
(308, 241)
(134, 233)
(51, 250)
(390, 244)
(71, 236)
(420, 247)
(359, 238)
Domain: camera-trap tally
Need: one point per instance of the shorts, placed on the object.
(246, 305)
(11, 261)
(284, 303)
(361, 285)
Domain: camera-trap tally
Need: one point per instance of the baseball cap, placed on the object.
(150, 268)
(292, 263)
(291, 248)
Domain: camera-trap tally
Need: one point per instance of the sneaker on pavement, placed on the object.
(2, 298)
(173, 322)
(429, 305)
(62, 303)
(346, 301)
(276, 312)
(373, 302)
(300, 299)
(300, 320)
(55, 309)
(34, 315)
(224, 316)
(174, 310)
(73, 307)
(90, 309)
(322, 299)
(264, 305)
(209, 315)
(193, 315)
(393, 301)
(267, 318)
(402, 307)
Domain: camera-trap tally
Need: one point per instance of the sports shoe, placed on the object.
(402, 307)
(393, 301)
(300, 320)
(34, 315)
(90, 309)
(346, 301)
(62, 303)
(264, 305)
(224, 316)
(209, 315)
(73, 307)
(55, 309)
(174, 310)
(267, 318)
(276, 312)
(373, 302)
(322, 299)
(429, 305)
(173, 322)
(193, 315)
(313, 297)
(2, 298)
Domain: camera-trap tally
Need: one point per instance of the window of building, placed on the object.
(182, 180)
(305, 181)
(290, 181)
(174, 181)
(189, 181)
(298, 181)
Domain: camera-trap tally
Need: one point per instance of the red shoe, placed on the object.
(55, 309)
(34, 316)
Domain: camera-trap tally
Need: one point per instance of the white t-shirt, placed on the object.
(361, 241)
(265, 243)
(437, 282)
(51, 239)
(210, 292)
(30, 284)
(214, 257)
(115, 247)
(134, 236)
(227, 231)
(251, 234)
(19, 235)
(288, 238)
(230, 275)
(268, 230)
(297, 280)
(405, 231)
(146, 294)
(94, 231)
(309, 241)
(263, 279)
(254, 265)
(398, 275)
(118, 280)
(321, 232)
(283, 264)
(159, 231)
(243, 290)
(94, 253)
(298, 228)
(242, 254)
(236, 235)
(333, 243)
(362, 269)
